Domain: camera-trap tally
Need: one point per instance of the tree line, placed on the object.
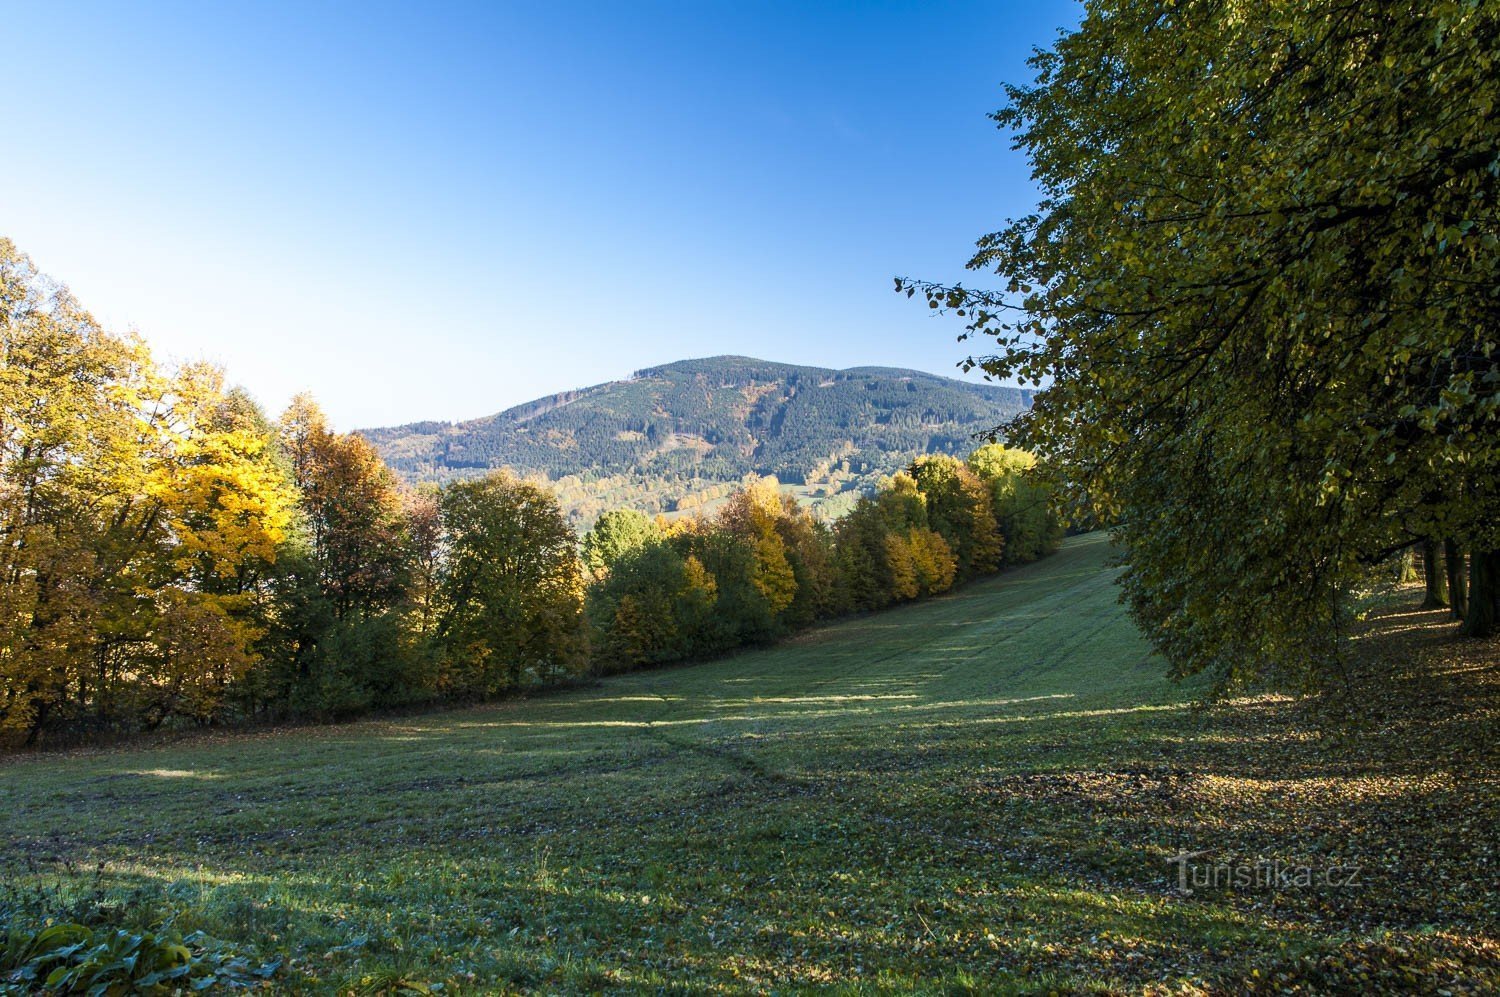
(664, 591)
(173, 554)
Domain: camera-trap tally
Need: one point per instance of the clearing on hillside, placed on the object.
(982, 791)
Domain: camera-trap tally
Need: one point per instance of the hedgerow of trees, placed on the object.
(764, 565)
(171, 554)
(1262, 294)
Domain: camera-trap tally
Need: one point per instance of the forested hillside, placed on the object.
(678, 437)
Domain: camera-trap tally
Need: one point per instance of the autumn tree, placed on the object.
(422, 515)
(139, 516)
(337, 645)
(352, 511)
(751, 516)
(886, 550)
(228, 506)
(960, 508)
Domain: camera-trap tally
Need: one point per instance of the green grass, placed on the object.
(974, 793)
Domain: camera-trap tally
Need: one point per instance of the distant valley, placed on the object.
(677, 438)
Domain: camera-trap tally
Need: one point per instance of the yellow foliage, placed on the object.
(126, 502)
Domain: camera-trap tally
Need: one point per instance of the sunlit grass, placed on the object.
(977, 792)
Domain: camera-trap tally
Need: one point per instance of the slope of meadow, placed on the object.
(978, 792)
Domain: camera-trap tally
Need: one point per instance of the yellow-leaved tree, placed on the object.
(135, 514)
(753, 514)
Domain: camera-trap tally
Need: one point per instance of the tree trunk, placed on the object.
(1483, 617)
(37, 724)
(1435, 576)
(1406, 567)
(1458, 580)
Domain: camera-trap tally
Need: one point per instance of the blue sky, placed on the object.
(439, 210)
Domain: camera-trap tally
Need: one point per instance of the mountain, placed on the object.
(680, 436)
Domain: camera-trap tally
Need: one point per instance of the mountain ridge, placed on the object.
(672, 431)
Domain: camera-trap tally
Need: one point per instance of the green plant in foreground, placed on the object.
(74, 958)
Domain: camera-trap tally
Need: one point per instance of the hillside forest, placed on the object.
(679, 438)
(175, 555)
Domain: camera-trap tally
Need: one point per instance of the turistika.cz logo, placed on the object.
(1262, 874)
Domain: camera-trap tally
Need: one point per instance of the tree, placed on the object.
(1458, 579)
(810, 553)
(338, 642)
(1259, 294)
(885, 551)
(228, 505)
(140, 509)
(1023, 502)
(654, 606)
(353, 511)
(933, 561)
(512, 587)
(615, 534)
(752, 514)
(961, 510)
(423, 516)
(1434, 575)
(862, 558)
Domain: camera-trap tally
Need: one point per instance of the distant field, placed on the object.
(975, 793)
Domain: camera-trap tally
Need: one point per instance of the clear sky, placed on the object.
(439, 210)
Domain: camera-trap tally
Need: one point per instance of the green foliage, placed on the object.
(74, 958)
(512, 590)
(617, 533)
(654, 607)
(1260, 292)
(1025, 508)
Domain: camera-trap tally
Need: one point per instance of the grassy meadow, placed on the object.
(976, 793)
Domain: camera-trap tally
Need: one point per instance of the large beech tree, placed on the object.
(1262, 296)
